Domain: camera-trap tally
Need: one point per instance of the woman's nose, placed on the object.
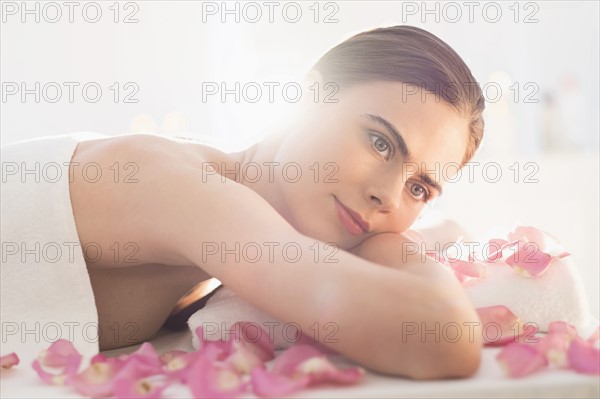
(386, 197)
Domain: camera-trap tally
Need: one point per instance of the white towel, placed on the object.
(225, 308)
(45, 291)
(558, 294)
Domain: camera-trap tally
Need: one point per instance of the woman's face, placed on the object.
(349, 156)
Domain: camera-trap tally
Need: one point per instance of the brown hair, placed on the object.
(413, 56)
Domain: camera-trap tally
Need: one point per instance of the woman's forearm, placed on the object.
(372, 314)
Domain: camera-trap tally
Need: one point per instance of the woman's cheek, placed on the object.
(408, 215)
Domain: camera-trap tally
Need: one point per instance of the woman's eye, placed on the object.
(419, 192)
(380, 143)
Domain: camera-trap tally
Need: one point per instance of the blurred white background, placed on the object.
(543, 55)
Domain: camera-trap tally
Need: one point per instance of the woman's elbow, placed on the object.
(458, 353)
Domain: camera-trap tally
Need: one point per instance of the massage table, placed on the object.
(489, 381)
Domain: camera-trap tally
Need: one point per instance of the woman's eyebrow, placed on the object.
(425, 178)
(394, 132)
(406, 155)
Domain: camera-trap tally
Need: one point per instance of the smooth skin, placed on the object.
(186, 197)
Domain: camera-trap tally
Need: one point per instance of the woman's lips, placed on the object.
(347, 220)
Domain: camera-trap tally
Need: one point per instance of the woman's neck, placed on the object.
(262, 156)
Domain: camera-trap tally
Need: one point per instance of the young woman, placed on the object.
(352, 174)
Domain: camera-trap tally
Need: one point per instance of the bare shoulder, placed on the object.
(150, 149)
(161, 196)
(118, 186)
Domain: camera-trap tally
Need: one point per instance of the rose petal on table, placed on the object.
(176, 363)
(320, 370)
(520, 360)
(562, 327)
(126, 388)
(172, 354)
(501, 326)
(60, 375)
(210, 378)
(147, 355)
(243, 359)
(554, 345)
(96, 380)
(61, 358)
(8, 361)
(267, 384)
(224, 346)
(57, 353)
(287, 362)
(583, 357)
(258, 340)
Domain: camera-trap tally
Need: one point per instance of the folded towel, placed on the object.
(558, 294)
(225, 308)
(45, 291)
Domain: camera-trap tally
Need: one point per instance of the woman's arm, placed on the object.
(179, 211)
(374, 309)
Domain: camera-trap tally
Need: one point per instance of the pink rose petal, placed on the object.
(62, 358)
(519, 360)
(529, 260)
(554, 346)
(8, 361)
(528, 234)
(138, 388)
(256, 338)
(307, 340)
(306, 360)
(470, 269)
(562, 327)
(268, 384)
(495, 246)
(147, 355)
(287, 362)
(320, 370)
(168, 356)
(96, 380)
(225, 346)
(208, 377)
(501, 326)
(583, 357)
(133, 367)
(243, 359)
(175, 364)
(57, 353)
